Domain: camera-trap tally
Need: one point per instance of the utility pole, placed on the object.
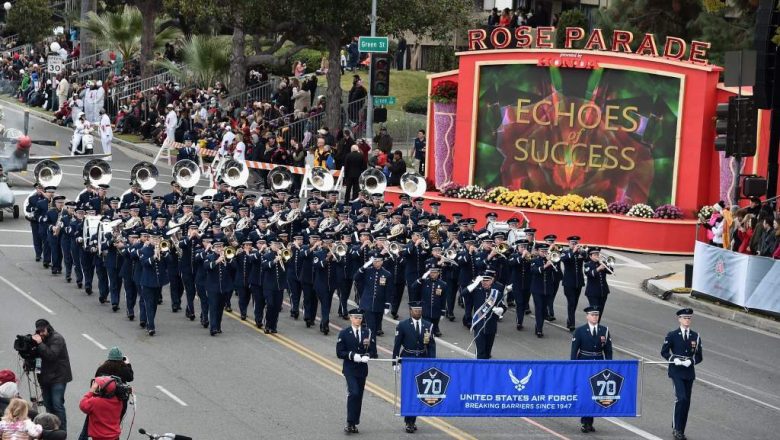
(369, 98)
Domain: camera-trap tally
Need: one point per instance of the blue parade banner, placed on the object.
(505, 388)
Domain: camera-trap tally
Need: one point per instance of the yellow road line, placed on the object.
(328, 364)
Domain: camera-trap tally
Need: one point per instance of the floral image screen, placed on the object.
(601, 132)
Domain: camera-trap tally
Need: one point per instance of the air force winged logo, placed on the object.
(520, 383)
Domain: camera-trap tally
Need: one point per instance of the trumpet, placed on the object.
(394, 248)
(339, 250)
(230, 253)
(502, 249)
(609, 263)
(165, 246)
(424, 244)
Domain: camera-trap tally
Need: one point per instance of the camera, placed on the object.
(28, 351)
(113, 386)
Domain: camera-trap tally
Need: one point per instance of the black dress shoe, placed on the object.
(519, 327)
(88, 290)
(274, 331)
(295, 315)
(267, 331)
(176, 309)
(205, 324)
(527, 311)
(258, 324)
(102, 300)
(213, 333)
(409, 429)
(451, 318)
(68, 279)
(539, 335)
(114, 308)
(592, 429)
(394, 315)
(79, 284)
(151, 332)
(45, 265)
(131, 317)
(326, 331)
(511, 304)
(550, 318)
(243, 317)
(228, 309)
(219, 330)
(142, 324)
(355, 430)
(584, 428)
(37, 259)
(308, 323)
(437, 334)
(571, 328)
(159, 301)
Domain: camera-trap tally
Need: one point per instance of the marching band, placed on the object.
(266, 247)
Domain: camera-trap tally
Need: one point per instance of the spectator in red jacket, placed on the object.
(103, 408)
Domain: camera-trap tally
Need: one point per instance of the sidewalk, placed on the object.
(670, 287)
(37, 112)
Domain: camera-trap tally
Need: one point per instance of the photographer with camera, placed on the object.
(55, 371)
(117, 365)
(103, 407)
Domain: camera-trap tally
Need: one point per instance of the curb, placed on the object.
(703, 305)
(46, 117)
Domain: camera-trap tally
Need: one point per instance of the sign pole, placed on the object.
(369, 98)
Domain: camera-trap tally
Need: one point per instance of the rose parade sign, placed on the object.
(596, 131)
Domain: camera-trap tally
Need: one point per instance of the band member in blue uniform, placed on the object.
(274, 284)
(520, 264)
(188, 248)
(597, 289)
(32, 204)
(573, 259)
(356, 344)
(488, 301)
(42, 206)
(153, 277)
(591, 342)
(54, 233)
(682, 348)
(542, 285)
(414, 337)
(431, 289)
(218, 284)
(375, 297)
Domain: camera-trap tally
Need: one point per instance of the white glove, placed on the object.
(686, 363)
(387, 311)
(678, 361)
(364, 359)
(498, 311)
(397, 367)
(356, 357)
(426, 274)
(474, 285)
(368, 263)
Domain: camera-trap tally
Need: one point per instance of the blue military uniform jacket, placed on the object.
(597, 280)
(488, 325)
(376, 289)
(542, 279)
(273, 272)
(327, 273)
(675, 346)
(573, 271)
(242, 268)
(411, 343)
(432, 292)
(586, 346)
(415, 257)
(521, 272)
(467, 264)
(218, 277)
(154, 272)
(348, 345)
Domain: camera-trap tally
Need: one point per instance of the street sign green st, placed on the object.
(373, 44)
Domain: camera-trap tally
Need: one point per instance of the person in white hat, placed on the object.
(171, 121)
(106, 133)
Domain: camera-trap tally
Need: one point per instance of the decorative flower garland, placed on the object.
(445, 92)
(522, 198)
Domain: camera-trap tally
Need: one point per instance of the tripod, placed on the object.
(27, 369)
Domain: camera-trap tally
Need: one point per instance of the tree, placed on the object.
(727, 28)
(205, 60)
(87, 38)
(31, 19)
(570, 18)
(122, 31)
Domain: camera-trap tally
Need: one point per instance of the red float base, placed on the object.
(604, 230)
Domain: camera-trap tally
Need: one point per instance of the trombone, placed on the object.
(609, 263)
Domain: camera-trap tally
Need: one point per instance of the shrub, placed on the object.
(417, 105)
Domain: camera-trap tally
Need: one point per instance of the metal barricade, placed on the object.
(259, 92)
(145, 84)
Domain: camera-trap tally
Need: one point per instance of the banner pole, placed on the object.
(395, 393)
(641, 388)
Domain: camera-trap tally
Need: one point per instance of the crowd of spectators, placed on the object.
(522, 16)
(753, 230)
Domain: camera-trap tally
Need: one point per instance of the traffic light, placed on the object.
(380, 74)
(735, 126)
(747, 118)
(725, 125)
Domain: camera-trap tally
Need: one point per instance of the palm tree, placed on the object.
(205, 60)
(121, 31)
